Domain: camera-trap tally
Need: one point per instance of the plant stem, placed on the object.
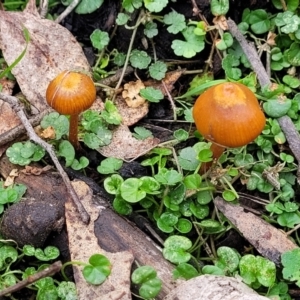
(73, 131)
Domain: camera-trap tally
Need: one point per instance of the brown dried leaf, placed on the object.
(48, 133)
(268, 240)
(125, 146)
(131, 93)
(83, 244)
(10, 179)
(8, 118)
(29, 170)
(131, 115)
(52, 49)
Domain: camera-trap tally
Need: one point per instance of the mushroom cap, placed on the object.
(71, 93)
(229, 115)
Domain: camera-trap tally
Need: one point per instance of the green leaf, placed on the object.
(109, 165)
(67, 290)
(152, 94)
(49, 253)
(111, 114)
(188, 159)
(211, 226)
(175, 249)
(158, 70)
(229, 195)
(113, 183)
(139, 59)
(292, 55)
(98, 269)
(192, 44)
(141, 133)
(121, 206)
(122, 19)
(228, 259)
(131, 5)
(155, 5)
(199, 211)
(130, 190)
(66, 150)
(288, 219)
(80, 164)
(146, 276)
(166, 222)
(259, 21)
(168, 177)
(150, 30)
(291, 265)
(149, 185)
(60, 123)
(175, 21)
(8, 255)
(181, 135)
(185, 271)
(292, 5)
(99, 39)
(184, 225)
(225, 42)
(219, 7)
(229, 64)
(192, 181)
(88, 6)
(277, 108)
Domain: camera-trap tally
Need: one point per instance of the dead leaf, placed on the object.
(131, 115)
(125, 146)
(29, 170)
(267, 240)
(83, 244)
(131, 93)
(48, 133)
(8, 118)
(51, 50)
(7, 85)
(10, 179)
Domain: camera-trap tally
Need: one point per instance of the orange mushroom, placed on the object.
(228, 115)
(71, 93)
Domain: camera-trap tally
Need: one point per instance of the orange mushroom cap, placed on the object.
(71, 93)
(229, 115)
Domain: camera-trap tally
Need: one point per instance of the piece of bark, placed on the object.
(116, 234)
(83, 244)
(213, 287)
(267, 240)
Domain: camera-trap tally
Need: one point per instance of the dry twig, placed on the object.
(17, 107)
(51, 270)
(285, 122)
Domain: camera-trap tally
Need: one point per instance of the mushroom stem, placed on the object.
(217, 151)
(73, 131)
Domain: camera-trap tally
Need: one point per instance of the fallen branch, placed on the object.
(51, 270)
(17, 131)
(285, 122)
(17, 107)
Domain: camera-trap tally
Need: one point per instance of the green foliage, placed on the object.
(291, 265)
(175, 21)
(190, 46)
(23, 153)
(99, 39)
(146, 276)
(141, 133)
(139, 59)
(97, 270)
(109, 165)
(58, 122)
(152, 94)
(219, 7)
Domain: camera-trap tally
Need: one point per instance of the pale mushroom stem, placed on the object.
(73, 131)
(217, 151)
